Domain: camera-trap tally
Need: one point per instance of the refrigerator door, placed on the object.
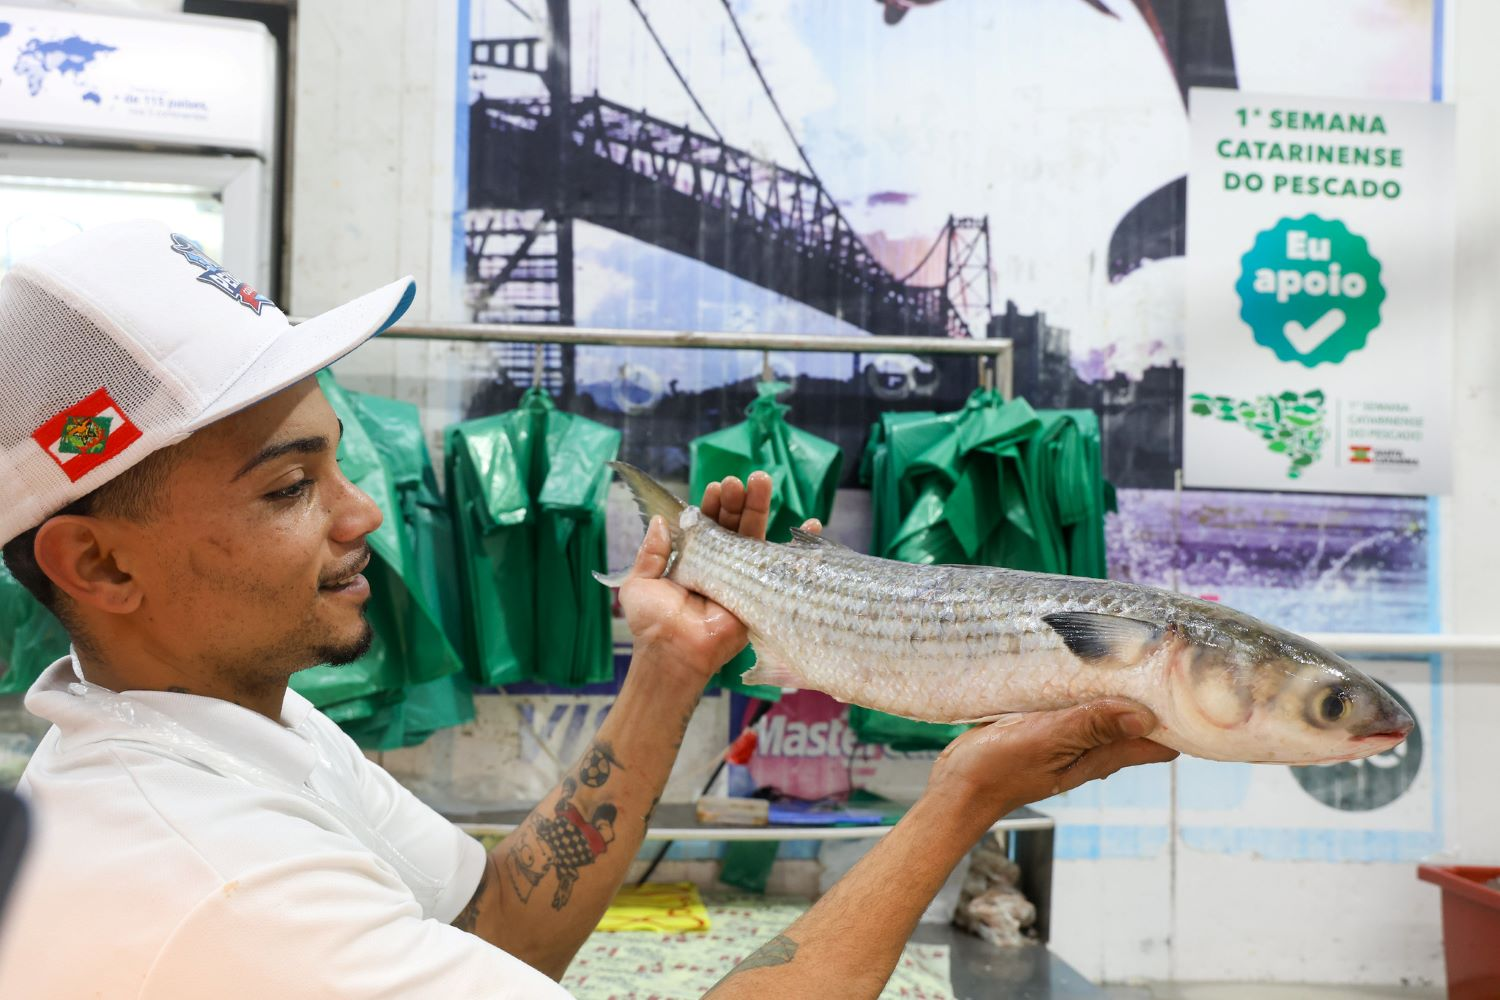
(48, 193)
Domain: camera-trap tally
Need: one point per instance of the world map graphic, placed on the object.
(57, 58)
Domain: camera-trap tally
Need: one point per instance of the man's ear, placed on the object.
(77, 552)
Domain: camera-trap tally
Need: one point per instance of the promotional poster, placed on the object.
(1320, 256)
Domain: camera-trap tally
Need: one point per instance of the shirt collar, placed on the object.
(283, 748)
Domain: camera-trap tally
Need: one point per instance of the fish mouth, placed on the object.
(1391, 725)
(1369, 744)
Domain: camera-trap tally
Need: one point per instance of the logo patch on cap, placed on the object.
(215, 275)
(86, 435)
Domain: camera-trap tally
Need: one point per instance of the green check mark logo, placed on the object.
(1307, 339)
(1310, 290)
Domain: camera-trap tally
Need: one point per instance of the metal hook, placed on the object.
(766, 375)
(538, 363)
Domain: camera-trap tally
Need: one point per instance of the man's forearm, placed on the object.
(552, 878)
(846, 946)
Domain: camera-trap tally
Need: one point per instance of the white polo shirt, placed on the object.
(184, 847)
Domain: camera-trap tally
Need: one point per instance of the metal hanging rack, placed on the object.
(994, 354)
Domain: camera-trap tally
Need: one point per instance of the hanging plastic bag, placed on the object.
(437, 694)
(528, 491)
(31, 637)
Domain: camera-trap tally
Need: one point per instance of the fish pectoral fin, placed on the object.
(772, 672)
(985, 720)
(1105, 640)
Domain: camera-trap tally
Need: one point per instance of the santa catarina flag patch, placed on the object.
(87, 434)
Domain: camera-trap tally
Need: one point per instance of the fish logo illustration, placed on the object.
(216, 276)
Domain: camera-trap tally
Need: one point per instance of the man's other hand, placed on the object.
(1022, 758)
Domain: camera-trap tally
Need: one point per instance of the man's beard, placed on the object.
(346, 653)
(273, 667)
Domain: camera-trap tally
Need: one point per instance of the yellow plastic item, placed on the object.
(662, 907)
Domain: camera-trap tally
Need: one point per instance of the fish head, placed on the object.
(1244, 690)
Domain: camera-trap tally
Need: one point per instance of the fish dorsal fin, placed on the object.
(801, 536)
(1105, 639)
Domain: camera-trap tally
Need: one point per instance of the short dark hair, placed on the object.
(134, 495)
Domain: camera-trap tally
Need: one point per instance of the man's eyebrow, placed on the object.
(300, 446)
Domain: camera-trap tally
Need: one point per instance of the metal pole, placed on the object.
(1409, 642)
(515, 333)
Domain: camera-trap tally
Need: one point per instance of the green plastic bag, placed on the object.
(954, 488)
(747, 864)
(422, 710)
(804, 468)
(352, 692)
(804, 471)
(1066, 459)
(424, 533)
(31, 637)
(446, 700)
(527, 490)
(994, 484)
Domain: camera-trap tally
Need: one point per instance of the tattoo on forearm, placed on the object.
(469, 916)
(597, 764)
(778, 951)
(568, 840)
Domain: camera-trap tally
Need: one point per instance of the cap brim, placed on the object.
(311, 346)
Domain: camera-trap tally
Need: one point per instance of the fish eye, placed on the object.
(1334, 705)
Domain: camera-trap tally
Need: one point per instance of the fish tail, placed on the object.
(654, 499)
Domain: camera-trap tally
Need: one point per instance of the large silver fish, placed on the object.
(967, 644)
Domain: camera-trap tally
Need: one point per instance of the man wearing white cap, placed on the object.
(168, 487)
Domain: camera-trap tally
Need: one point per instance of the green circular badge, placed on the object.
(1310, 290)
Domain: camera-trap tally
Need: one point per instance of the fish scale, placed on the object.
(947, 645)
(964, 643)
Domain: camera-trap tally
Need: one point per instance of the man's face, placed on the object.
(251, 567)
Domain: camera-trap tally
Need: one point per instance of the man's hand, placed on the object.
(685, 630)
(1023, 758)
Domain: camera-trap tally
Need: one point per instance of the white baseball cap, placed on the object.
(126, 339)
